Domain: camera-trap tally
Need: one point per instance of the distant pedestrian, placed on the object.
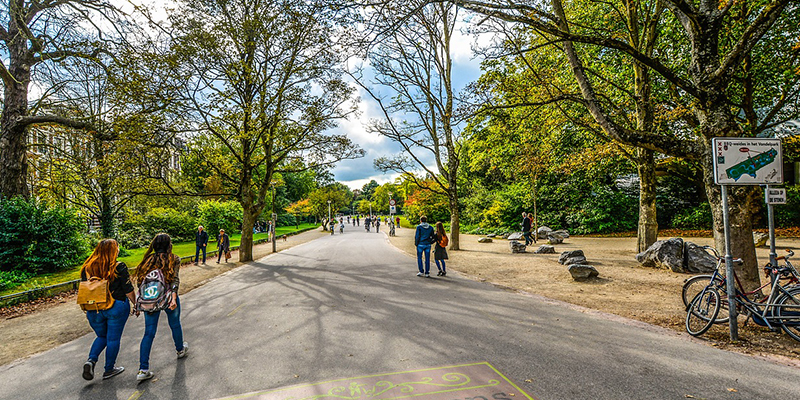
(159, 256)
(332, 224)
(223, 246)
(440, 251)
(397, 221)
(424, 237)
(107, 324)
(200, 244)
(378, 225)
(526, 229)
(366, 223)
(534, 233)
(358, 220)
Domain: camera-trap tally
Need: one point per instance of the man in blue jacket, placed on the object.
(200, 243)
(423, 239)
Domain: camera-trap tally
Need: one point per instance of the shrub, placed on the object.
(38, 239)
(216, 215)
(10, 279)
(138, 230)
(424, 202)
(694, 218)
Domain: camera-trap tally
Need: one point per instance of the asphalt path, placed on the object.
(350, 305)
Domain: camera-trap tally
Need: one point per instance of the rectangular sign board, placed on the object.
(392, 210)
(776, 196)
(747, 161)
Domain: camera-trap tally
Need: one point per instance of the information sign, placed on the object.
(747, 161)
(392, 210)
(776, 196)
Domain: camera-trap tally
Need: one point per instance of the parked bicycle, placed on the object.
(779, 310)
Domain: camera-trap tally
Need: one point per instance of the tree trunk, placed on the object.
(648, 224)
(13, 136)
(107, 217)
(455, 228)
(246, 245)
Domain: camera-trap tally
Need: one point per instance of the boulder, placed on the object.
(517, 247)
(563, 233)
(485, 240)
(570, 254)
(760, 239)
(581, 272)
(542, 232)
(515, 236)
(664, 254)
(545, 249)
(491, 235)
(504, 236)
(575, 260)
(698, 260)
(555, 239)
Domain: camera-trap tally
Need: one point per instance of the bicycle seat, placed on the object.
(738, 261)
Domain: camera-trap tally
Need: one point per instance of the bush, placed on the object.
(138, 230)
(216, 215)
(10, 279)
(694, 218)
(424, 202)
(37, 239)
(788, 215)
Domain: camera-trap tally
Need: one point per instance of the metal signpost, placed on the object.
(745, 161)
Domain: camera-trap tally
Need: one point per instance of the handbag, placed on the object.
(93, 295)
(227, 255)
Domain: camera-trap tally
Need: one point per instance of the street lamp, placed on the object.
(329, 212)
(272, 229)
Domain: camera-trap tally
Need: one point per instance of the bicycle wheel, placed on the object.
(696, 284)
(702, 312)
(787, 312)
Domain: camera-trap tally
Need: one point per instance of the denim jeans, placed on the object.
(197, 253)
(108, 326)
(150, 327)
(426, 250)
(528, 238)
(440, 267)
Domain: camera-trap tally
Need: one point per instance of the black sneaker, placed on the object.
(88, 370)
(114, 372)
(444, 273)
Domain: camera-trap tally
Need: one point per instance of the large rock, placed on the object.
(570, 254)
(697, 260)
(491, 235)
(542, 232)
(582, 272)
(760, 239)
(555, 239)
(515, 236)
(517, 247)
(664, 254)
(563, 233)
(485, 240)
(575, 260)
(545, 249)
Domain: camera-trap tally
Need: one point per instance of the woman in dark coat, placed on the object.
(440, 252)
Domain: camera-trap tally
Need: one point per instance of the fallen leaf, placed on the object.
(732, 390)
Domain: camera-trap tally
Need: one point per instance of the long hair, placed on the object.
(440, 231)
(158, 256)
(103, 260)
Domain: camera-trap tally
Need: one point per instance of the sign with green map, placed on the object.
(747, 161)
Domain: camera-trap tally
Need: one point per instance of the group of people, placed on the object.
(201, 243)
(527, 224)
(108, 324)
(425, 238)
(370, 221)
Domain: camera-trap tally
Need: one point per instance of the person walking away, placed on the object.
(378, 225)
(526, 229)
(332, 224)
(107, 324)
(200, 244)
(391, 228)
(440, 251)
(366, 223)
(397, 221)
(341, 226)
(534, 233)
(358, 220)
(159, 256)
(223, 245)
(423, 238)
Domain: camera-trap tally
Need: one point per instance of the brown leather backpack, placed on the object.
(94, 295)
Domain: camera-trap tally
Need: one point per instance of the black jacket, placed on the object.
(526, 224)
(201, 238)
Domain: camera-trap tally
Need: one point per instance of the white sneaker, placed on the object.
(144, 375)
(419, 273)
(427, 275)
(185, 350)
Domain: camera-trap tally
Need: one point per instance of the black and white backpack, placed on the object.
(154, 293)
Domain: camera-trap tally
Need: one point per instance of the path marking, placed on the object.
(235, 310)
(136, 395)
(478, 381)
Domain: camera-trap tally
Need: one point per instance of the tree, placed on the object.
(265, 87)
(319, 206)
(715, 83)
(414, 62)
(38, 35)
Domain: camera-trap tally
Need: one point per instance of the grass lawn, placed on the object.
(182, 249)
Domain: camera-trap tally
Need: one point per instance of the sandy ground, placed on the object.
(624, 288)
(61, 320)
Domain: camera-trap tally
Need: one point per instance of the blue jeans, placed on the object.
(150, 327)
(197, 253)
(108, 326)
(528, 238)
(426, 250)
(441, 267)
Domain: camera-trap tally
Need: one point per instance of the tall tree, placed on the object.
(720, 39)
(38, 35)
(415, 63)
(266, 86)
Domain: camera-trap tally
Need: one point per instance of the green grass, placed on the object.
(182, 249)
